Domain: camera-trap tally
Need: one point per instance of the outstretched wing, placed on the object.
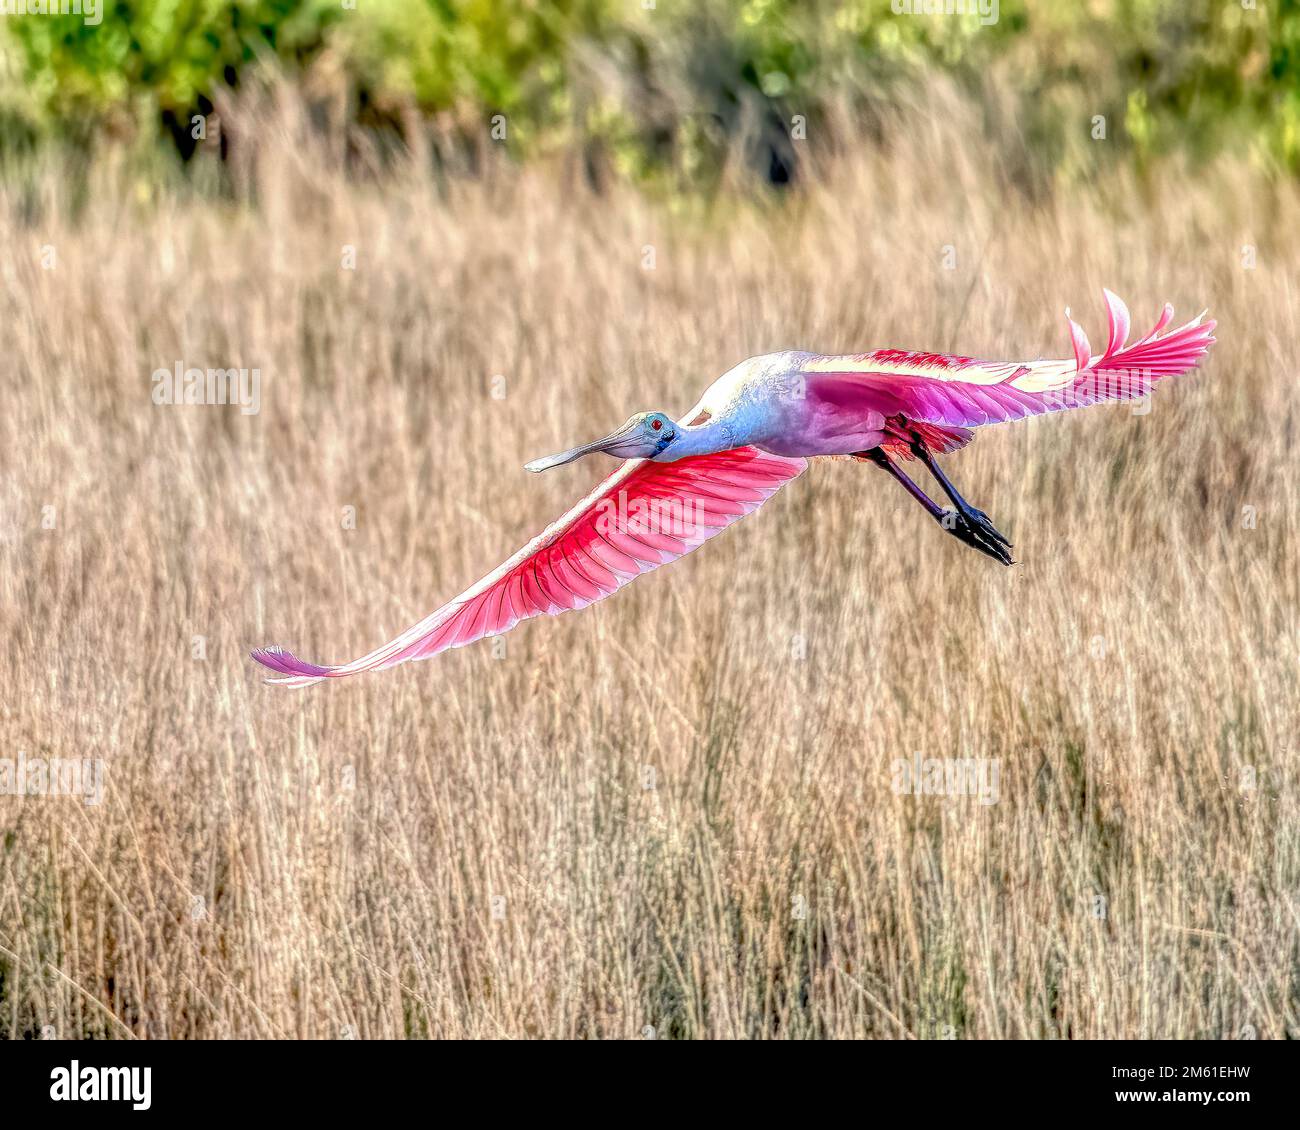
(955, 393)
(643, 516)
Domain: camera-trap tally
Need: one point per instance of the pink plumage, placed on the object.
(963, 392)
(753, 431)
(643, 516)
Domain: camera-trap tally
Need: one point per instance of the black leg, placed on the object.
(964, 508)
(877, 456)
(955, 522)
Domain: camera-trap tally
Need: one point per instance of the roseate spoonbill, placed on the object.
(755, 429)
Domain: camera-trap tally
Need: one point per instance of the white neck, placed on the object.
(717, 434)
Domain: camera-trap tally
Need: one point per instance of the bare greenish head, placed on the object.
(644, 436)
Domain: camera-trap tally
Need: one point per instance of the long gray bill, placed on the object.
(610, 443)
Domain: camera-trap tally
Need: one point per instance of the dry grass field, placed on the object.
(672, 814)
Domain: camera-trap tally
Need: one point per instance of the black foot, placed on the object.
(981, 520)
(976, 519)
(978, 535)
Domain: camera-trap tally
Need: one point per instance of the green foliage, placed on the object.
(155, 55)
(478, 57)
(673, 89)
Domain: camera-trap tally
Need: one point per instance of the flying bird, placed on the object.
(753, 430)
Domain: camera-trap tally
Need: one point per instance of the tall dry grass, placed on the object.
(675, 810)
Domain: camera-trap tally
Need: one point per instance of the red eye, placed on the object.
(656, 424)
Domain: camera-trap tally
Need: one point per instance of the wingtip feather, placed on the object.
(1079, 339)
(1177, 351)
(286, 663)
(1118, 322)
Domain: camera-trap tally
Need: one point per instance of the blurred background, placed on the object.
(687, 97)
(454, 236)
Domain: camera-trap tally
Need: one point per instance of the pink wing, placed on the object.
(962, 392)
(643, 516)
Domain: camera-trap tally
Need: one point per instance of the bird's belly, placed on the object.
(828, 433)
